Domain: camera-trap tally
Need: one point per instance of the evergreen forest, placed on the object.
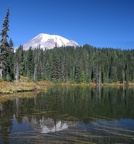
(64, 64)
(80, 64)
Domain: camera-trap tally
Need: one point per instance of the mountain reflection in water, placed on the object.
(68, 115)
(45, 125)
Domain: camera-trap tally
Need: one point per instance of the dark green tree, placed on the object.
(38, 64)
(29, 63)
(10, 62)
(56, 68)
(4, 48)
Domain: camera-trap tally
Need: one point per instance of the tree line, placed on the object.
(65, 64)
(80, 64)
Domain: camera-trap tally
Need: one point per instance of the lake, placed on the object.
(74, 114)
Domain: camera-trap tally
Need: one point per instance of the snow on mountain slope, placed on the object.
(47, 41)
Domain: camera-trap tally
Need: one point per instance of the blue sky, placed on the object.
(100, 23)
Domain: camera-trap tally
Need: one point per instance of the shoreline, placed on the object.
(16, 87)
(25, 86)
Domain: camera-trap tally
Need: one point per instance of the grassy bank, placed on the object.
(13, 87)
(24, 85)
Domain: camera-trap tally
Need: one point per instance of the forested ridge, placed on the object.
(65, 64)
(80, 64)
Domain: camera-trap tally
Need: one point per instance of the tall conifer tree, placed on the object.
(4, 46)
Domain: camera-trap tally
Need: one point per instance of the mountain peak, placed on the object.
(47, 41)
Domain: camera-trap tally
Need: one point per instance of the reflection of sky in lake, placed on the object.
(98, 128)
(69, 115)
(20, 127)
(127, 123)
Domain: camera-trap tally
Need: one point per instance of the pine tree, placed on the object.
(29, 66)
(4, 47)
(55, 68)
(38, 59)
(10, 62)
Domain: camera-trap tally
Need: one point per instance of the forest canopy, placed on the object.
(80, 64)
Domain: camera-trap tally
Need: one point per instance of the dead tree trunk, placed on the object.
(17, 72)
(1, 70)
(35, 72)
(1, 73)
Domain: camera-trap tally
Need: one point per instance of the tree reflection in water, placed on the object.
(69, 115)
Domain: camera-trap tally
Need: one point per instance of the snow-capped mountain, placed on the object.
(47, 41)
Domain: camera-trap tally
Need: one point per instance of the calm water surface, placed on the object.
(68, 115)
